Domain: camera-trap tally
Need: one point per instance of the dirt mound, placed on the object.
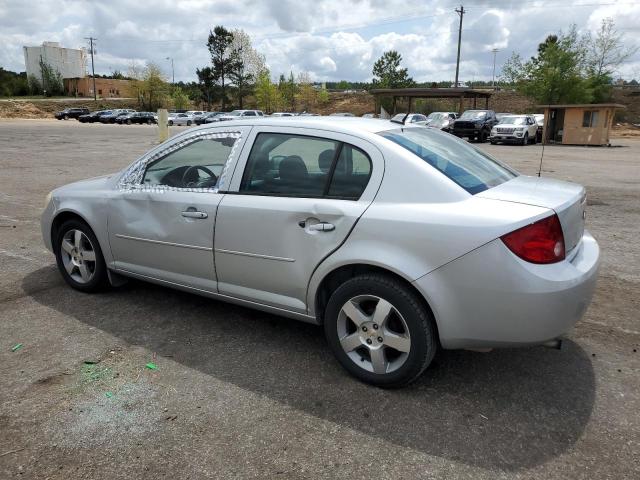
(19, 109)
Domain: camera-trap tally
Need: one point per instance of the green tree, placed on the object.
(206, 84)
(13, 84)
(180, 99)
(288, 90)
(267, 94)
(323, 95)
(307, 94)
(150, 86)
(557, 74)
(51, 79)
(223, 58)
(343, 85)
(387, 72)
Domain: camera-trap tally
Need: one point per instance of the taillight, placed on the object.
(540, 242)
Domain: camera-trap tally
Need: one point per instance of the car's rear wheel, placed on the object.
(188, 123)
(170, 122)
(79, 257)
(380, 330)
(148, 122)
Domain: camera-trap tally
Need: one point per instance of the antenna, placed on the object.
(544, 137)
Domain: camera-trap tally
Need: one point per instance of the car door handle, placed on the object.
(322, 227)
(194, 214)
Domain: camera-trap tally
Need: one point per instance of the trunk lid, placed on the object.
(568, 200)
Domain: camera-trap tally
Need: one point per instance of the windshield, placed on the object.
(437, 116)
(514, 120)
(235, 113)
(469, 167)
(473, 115)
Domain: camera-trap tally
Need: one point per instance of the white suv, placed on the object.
(237, 114)
(519, 129)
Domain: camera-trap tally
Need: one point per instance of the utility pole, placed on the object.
(173, 74)
(93, 71)
(461, 13)
(493, 78)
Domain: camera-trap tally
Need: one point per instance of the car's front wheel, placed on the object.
(170, 122)
(380, 330)
(188, 123)
(525, 139)
(79, 257)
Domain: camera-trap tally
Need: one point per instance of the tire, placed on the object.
(170, 122)
(483, 136)
(66, 117)
(410, 326)
(148, 122)
(534, 140)
(128, 121)
(73, 262)
(492, 142)
(188, 123)
(525, 139)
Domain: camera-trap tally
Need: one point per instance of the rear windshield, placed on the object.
(469, 167)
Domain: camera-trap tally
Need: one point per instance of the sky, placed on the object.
(331, 39)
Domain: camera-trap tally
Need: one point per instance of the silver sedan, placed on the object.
(399, 240)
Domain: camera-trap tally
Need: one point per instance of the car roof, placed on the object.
(348, 125)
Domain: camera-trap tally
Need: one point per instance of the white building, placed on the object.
(70, 62)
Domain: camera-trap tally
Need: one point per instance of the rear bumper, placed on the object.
(491, 298)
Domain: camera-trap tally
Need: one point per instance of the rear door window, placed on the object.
(304, 166)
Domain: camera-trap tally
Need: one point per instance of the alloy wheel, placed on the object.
(373, 334)
(78, 256)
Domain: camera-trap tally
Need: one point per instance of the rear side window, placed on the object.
(351, 173)
(302, 166)
(472, 169)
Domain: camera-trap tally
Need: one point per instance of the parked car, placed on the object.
(341, 114)
(180, 119)
(93, 116)
(137, 117)
(519, 129)
(208, 117)
(283, 114)
(111, 117)
(415, 241)
(459, 85)
(197, 116)
(68, 113)
(539, 117)
(441, 120)
(413, 118)
(237, 114)
(475, 124)
(500, 115)
(369, 115)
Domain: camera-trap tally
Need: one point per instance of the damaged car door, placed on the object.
(161, 222)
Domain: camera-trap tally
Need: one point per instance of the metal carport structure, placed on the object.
(411, 93)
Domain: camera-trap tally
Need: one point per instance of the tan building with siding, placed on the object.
(586, 124)
(106, 87)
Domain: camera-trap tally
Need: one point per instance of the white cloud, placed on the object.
(332, 39)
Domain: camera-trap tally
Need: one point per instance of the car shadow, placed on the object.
(510, 409)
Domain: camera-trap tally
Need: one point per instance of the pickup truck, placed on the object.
(475, 125)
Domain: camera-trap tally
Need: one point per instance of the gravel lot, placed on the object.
(242, 394)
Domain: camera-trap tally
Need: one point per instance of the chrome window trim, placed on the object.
(131, 179)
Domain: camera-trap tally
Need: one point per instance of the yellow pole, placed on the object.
(163, 125)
